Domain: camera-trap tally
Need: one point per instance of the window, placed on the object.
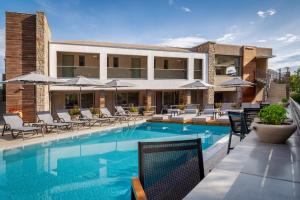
(87, 100)
(67, 60)
(166, 64)
(128, 98)
(198, 69)
(81, 60)
(228, 65)
(71, 100)
(116, 62)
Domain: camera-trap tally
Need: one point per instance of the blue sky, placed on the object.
(185, 23)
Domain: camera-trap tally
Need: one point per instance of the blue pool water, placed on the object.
(96, 166)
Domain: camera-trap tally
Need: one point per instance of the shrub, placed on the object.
(296, 97)
(180, 107)
(273, 114)
(74, 111)
(133, 109)
(95, 111)
(284, 100)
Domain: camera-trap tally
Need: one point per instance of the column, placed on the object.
(188, 97)
(102, 99)
(150, 67)
(190, 69)
(103, 66)
(205, 68)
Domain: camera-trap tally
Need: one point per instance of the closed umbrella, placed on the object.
(81, 81)
(237, 83)
(118, 84)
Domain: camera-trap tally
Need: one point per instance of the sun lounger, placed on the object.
(87, 115)
(188, 115)
(225, 108)
(203, 118)
(121, 112)
(161, 117)
(14, 123)
(65, 117)
(46, 118)
(107, 114)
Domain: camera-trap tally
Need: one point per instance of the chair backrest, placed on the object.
(191, 106)
(238, 123)
(106, 112)
(86, 113)
(251, 113)
(13, 120)
(120, 110)
(170, 170)
(64, 114)
(45, 116)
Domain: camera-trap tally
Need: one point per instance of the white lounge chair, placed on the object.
(14, 123)
(65, 117)
(105, 113)
(46, 118)
(121, 112)
(87, 115)
(188, 115)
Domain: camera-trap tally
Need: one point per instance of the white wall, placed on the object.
(103, 51)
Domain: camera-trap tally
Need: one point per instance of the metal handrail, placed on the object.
(295, 111)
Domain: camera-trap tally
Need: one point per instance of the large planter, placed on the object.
(275, 134)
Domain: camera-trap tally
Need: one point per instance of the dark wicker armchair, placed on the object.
(168, 170)
(250, 114)
(238, 126)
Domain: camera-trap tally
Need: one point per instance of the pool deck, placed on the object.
(256, 171)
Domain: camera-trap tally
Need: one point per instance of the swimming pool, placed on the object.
(96, 166)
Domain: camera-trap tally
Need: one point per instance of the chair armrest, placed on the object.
(61, 120)
(137, 189)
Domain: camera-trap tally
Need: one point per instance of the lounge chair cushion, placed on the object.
(183, 117)
(202, 118)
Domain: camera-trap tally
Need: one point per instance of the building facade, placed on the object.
(158, 73)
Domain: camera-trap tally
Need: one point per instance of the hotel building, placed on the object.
(157, 72)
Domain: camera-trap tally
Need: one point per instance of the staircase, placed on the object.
(276, 92)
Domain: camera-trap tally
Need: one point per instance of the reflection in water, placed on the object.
(97, 166)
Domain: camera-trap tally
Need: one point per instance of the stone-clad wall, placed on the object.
(43, 36)
(26, 51)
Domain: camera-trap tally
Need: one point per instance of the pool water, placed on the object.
(94, 166)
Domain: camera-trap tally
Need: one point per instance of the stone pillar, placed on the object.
(185, 97)
(148, 98)
(188, 97)
(103, 66)
(102, 99)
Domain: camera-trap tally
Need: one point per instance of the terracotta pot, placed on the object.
(275, 134)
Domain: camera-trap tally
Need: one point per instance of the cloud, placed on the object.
(261, 41)
(286, 60)
(228, 37)
(288, 38)
(267, 13)
(186, 42)
(186, 9)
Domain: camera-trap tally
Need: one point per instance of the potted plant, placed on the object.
(148, 111)
(273, 126)
(134, 110)
(95, 111)
(74, 112)
(285, 102)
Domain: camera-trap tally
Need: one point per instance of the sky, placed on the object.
(183, 23)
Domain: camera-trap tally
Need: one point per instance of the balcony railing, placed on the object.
(170, 74)
(127, 72)
(74, 71)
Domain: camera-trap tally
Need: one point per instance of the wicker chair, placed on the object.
(168, 170)
(250, 115)
(238, 126)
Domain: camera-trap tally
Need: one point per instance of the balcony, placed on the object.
(74, 71)
(170, 68)
(126, 72)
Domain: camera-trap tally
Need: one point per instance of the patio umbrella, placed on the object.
(81, 81)
(118, 84)
(33, 78)
(198, 84)
(237, 83)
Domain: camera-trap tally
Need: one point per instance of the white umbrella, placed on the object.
(198, 84)
(33, 78)
(117, 84)
(81, 81)
(237, 83)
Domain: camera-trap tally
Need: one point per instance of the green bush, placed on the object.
(296, 97)
(95, 111)
(273, 114)
(284, 100)
(74, 111)
(133, 109)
